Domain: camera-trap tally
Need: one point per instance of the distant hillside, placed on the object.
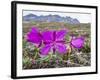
(51, 18)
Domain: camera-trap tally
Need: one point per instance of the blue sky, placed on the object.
(82, 17)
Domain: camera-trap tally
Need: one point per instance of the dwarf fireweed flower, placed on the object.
(77, 42)
(53, 40)
(34, 36)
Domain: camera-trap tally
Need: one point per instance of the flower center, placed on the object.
(54, 43)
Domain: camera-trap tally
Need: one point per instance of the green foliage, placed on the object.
(86, 48)
(76, 58)
(26, 63)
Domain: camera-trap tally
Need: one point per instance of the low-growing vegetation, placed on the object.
(74, 57)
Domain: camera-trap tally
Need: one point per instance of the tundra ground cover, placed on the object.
(73, 48)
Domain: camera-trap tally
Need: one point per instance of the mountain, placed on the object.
(50, 18)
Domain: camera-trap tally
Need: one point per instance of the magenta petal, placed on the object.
(77, 42)
(60, 34)
(45, 50)
(47, 36)
(34, 30)
(61, 48)
(34, 36)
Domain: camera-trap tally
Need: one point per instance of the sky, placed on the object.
(82, 17)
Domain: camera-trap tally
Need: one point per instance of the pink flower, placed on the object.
(34, 36)
(77, 42)
(53, 41)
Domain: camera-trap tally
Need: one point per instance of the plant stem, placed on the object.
(35, 55)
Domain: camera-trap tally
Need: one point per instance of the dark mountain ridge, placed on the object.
(51, 18)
